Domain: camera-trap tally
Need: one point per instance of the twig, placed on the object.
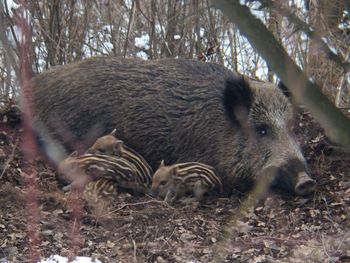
(325, 250)
(10, 20)
(135, 248)
(166, 241)
(285, 11)
(141, 203)
(141, 244)
(6, 80)
(282, 240)
(10, 53)
(7, 163)
(257, 194)
(161, 202)
(335, 124)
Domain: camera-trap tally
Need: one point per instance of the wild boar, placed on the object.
(97, 191)
(95, 166)
(179, 180)
(112, 146)
(179, 110)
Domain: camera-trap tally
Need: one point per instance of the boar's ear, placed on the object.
(162, 164)
(114, 133)
(284, 89)
(237, 99)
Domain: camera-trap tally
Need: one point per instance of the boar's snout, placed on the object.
(293, 177)
(304, 184)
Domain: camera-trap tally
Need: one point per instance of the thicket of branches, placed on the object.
(67, 30)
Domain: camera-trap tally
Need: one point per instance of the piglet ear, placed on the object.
(74, 154)
(284, 89)
(89, 151)
(175, 171)
(117, 148)
(114, 133)
(162, 164)
(237, 99)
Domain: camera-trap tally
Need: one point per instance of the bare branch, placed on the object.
(4, 40)
(130, 25)
(313, 35)
(336, 125)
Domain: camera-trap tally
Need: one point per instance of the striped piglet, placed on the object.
(112, 146)
(178, 180)
(90, 167)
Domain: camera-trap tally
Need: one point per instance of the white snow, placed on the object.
(59, 259)
(142, 55)
(202, 32)
(142, 42)
(159, 29)
(12, 5)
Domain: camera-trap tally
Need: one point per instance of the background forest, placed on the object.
(67, 30)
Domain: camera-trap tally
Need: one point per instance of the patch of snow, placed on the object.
(108, 46)
(142, 42)
(12, 6)
(202, 32)
(142, 54)
(159, 29)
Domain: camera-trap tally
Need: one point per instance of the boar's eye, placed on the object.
(262, 130)
(162, 183)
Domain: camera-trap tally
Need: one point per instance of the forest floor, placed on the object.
(279, 228)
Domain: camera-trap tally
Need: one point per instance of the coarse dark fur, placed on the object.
(173, 109)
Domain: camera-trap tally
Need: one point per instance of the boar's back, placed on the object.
(166, 109)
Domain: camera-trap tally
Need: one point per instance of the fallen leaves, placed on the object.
(280, 228)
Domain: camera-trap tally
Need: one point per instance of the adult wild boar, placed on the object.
(177, 110)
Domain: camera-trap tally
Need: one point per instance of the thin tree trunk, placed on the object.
(153, 40)
(169, 44)
(233, 47)
(110, 18)
(272, 25)
(197, 26)
(130, 26)
(181, 45)
(190, 32)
